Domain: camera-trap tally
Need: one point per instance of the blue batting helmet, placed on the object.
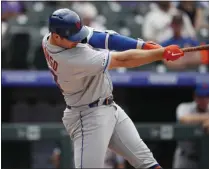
(67, 24)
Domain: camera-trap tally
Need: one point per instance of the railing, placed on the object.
(35, 132)
(129, 78)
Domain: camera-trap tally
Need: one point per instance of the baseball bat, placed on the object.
(196, 48)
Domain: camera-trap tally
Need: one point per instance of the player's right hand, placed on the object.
(172, 52)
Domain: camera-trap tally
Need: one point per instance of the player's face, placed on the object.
(202, 102)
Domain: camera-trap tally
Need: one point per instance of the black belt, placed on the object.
(107, 101)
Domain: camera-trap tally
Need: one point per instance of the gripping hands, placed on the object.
(171, 53)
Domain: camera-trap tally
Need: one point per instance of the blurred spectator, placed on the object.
(178, 38)
(157, 22)
(112, 160)
(56, 158)
(190, 59)
(196, 112)
(88, 13)
(10, 9)
(194, 9)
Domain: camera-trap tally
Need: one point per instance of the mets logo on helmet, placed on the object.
(78, 25)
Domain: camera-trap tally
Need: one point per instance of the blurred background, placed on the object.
(149, 94)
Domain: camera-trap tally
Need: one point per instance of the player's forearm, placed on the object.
(134, 58)
(194, 119)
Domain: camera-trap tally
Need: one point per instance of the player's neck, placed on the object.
(52, 41)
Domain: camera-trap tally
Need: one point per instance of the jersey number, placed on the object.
(54, 65)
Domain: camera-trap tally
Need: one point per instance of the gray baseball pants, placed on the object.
(93, 130)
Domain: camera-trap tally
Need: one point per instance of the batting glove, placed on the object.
(150, 45)
(172, 52)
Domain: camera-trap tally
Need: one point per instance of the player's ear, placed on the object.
(55, 36)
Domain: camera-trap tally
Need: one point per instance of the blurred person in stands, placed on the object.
(10, 9)
(56, 158)
(88, 13)
(190, 59)
(112, 160)
(194, 10)
(196, 112)
(157, 22)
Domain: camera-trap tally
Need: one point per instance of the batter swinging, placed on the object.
(92, 119)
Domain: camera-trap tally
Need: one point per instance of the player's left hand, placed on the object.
(172, 53)
(150, 45)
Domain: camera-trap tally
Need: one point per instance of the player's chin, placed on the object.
(75, 44)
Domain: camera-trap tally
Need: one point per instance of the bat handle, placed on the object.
(196, 48)
(186, 49)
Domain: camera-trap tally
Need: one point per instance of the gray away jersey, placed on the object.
(80, 72)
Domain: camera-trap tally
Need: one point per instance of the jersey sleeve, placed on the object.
(90, 62)
(111, 40)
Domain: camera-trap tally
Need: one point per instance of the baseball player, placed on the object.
(196, 112)
(92, 118)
